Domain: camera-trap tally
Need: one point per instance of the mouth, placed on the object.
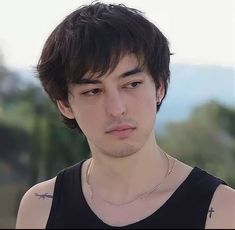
(122, 133)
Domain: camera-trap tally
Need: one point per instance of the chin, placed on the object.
(122, 151)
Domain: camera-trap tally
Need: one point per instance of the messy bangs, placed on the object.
(101, 41)
(97, 55)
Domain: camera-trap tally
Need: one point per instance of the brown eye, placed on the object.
(134, 85)
(92, 92)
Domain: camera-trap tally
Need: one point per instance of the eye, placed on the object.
(92, 92)
(133, 85)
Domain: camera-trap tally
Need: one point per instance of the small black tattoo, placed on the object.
(43, 196)
(211, 211)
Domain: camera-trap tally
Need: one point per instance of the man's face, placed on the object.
(117, 111)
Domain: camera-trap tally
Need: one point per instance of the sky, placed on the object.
(199, 31)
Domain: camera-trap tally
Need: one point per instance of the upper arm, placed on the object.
(223, 209)
(35, 206)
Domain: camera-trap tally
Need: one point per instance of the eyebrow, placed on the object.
(123, 75)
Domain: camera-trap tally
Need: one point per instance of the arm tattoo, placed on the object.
(211, 210)
(43, 196)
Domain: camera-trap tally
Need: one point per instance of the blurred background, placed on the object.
(196, 122)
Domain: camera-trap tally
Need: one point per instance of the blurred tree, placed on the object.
(61, 147)
(47, 144)
(13, 139)
(14, 144)
(205, 140)
(52, 146)
(32, 136)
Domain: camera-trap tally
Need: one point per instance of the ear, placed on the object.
(65, 109)
(160, 92)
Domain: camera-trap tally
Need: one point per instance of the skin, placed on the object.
(125, 96)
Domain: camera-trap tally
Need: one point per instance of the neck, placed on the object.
(120, 179)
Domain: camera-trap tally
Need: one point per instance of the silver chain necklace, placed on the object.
(139, 196)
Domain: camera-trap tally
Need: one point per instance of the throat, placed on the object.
(127, 191)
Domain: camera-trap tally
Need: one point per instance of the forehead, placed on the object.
(126, 63)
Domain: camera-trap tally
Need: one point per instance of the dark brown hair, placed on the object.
(93, 39)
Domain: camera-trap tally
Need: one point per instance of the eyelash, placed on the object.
(87, 93)
(138, 82)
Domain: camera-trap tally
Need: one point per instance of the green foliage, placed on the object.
(33, 139)
(14, 143)
(60, 147)
(205, 140)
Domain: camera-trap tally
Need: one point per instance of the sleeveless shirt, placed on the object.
(187, 207)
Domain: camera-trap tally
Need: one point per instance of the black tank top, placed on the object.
(186, 208)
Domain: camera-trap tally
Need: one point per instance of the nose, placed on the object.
(115, 104)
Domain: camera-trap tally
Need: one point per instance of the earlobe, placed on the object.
(65, 109)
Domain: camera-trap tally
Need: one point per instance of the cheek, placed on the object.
(88, 120)
(147, 100)
(147, 107)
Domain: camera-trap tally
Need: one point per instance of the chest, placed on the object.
(129, 213)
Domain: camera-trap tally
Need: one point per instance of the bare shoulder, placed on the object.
(35, 205)
(221, 213)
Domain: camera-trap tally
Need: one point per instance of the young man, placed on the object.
(107, 69)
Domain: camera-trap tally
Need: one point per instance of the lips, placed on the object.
(121, 131)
